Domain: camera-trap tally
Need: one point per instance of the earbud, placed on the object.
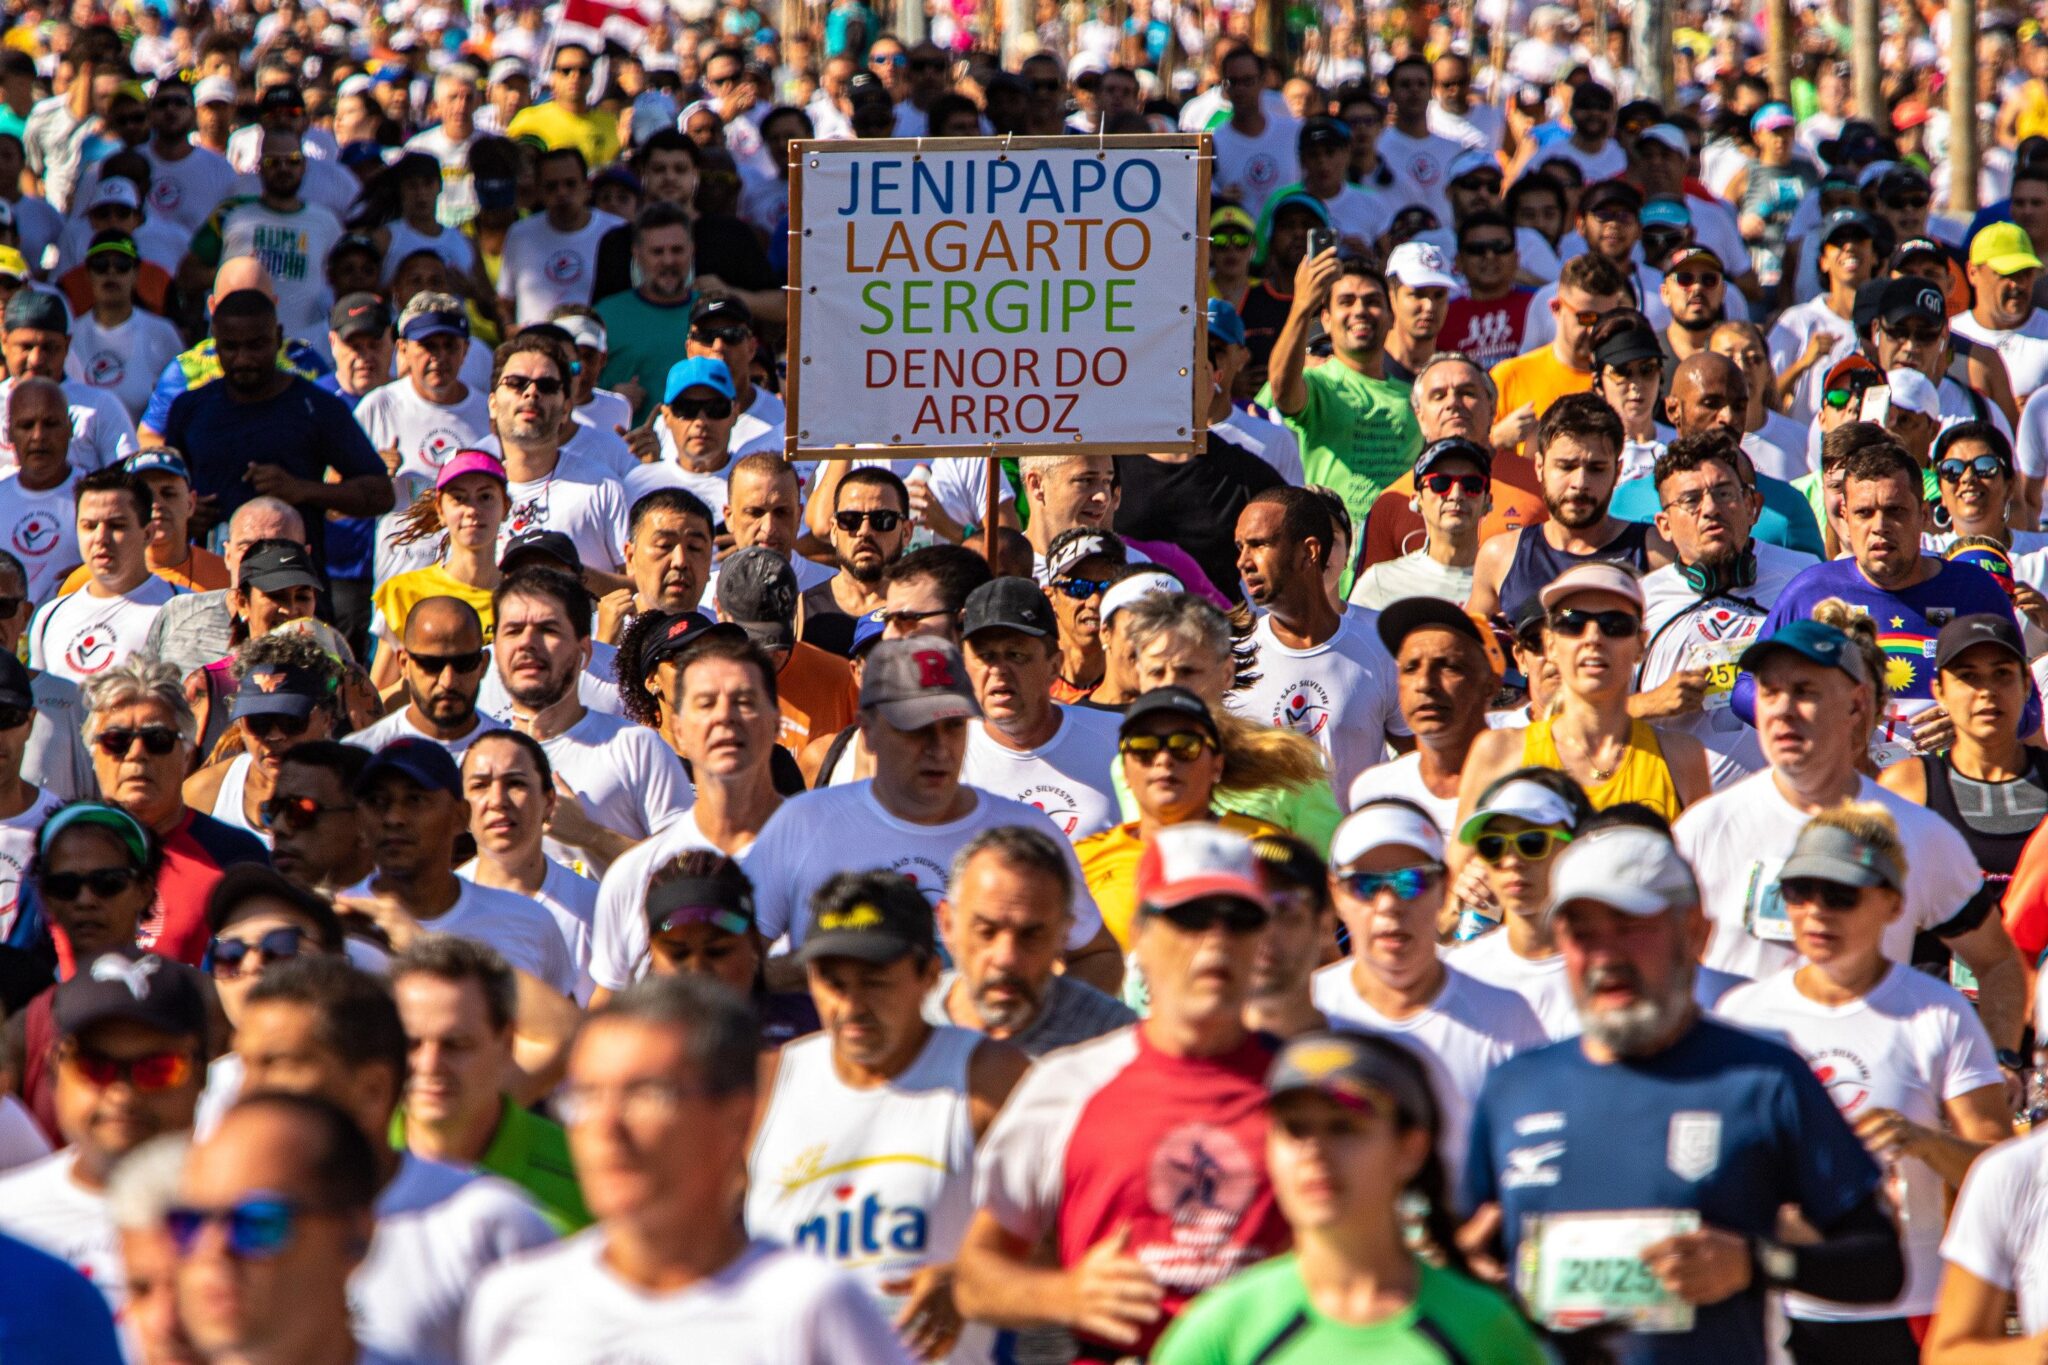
(1415, 504)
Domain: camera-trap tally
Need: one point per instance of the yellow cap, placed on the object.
(2005, 247)
(12, 262)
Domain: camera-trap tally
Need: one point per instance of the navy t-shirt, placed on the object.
(49, 1313)
(1724, 1122)
(304, 430)
(351, 541)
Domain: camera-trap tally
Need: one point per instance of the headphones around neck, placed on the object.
(1711, 580)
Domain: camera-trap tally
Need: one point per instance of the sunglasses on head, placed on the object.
(1200, 916)
(1490, 246)
(157, 740)
(258, 1227)
(1615, 625)
(1530, 846)
(273, 727)
(104, 883)
(1471, 485)
(1185, 745)
(881, 518)
(1230, 238)
(542, 385)
(1814, 891)
(1081, 589)
(690, 409)
(1951, 470)
(433, 665)
(278, 945)
(1405, 882)
(151, 1071)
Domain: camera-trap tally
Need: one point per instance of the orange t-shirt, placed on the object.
(817, 696)
(202, 571)
(1393, 530)
(1537, 377)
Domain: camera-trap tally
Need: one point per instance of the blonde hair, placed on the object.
(1257, 757)
(1855, 622)
(1870, 823)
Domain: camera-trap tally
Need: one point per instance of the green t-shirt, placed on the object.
(642, 340)
(1358, 435)
(1265, 1316)
(532, 1153)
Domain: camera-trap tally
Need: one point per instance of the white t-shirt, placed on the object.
(41, 530)
(771, 1306)
(1542, 981)
(1250, 169)
(1911, 1044)
(792, 858)
(20, 1140)
(81, 633)
(2023, 348)
(2030, 445)
(438, 1229)
(572, 902)
(1778, 448)
(1341, 693)
(766, 415)
(123, 361)
(1787, 341)
(618, 934)
(399, 725)
(582, 502)
(185, 192)
(1469, 1029)
(1421, 167)
(1067, 777)
(1998, 1230)
(1402, 777)
(425, 433)
(1412, 575)
(627, 778)
(544, 268)
(595, 687)
(1689, 631)
(1608, 161)
(524, 934)
(667, 470)
(1479, 127)
(1273, 442)
(1361, 213)
(17, 847)
(1737, 839)
(294, 247)
(457, 204)
(42, 1205)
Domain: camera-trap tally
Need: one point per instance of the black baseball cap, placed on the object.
(721, 309)
(133, 987)
(16, 689)
(890, 924)
(274, 565)
(1847, 221)
(1857, 142)
(1403, 618)
(423, 762)
(1454, 448)
(1602, 192)
(1984, 628)
(281, 99)
(757, 590)
(549, 544)
(1909, 299)
(1323, 131)
(1008, 604)
(1172, 701)
(359, 314)
(1078, 544)
(681, 630)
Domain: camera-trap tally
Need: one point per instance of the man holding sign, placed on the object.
(1636, 1173)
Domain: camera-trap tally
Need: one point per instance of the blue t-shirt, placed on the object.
(49, 1313)
(1723, 1122)
(351, 541)
(1787, 517)
(304, 430)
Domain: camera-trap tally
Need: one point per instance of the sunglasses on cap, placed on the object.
(1081, 589)
(275, 727)
(881, 518)
(152, 1071)
(1951, 470)
(1471, 485)
(1200, 916)
(104, 883)
(278, 945)
(1184, 745)
(1529, 846)
(1231, 238)
(1813, 891)
(690, 409)
(157, 740)
(258, 1227)
(1405, 882)
(1615, 625)
(294, 812)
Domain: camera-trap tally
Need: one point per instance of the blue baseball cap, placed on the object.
(1813, 642)
(866, 630)
(423, 762)
(697, 372)
(1224, 323)
(159, 460)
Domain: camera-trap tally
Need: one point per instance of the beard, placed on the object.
(1576, 516)
(537, 696)
(865, 573)
(1639, 1029)
(1011, 1013)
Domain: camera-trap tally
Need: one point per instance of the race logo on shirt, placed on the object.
(284, 251)
(92, 649)
(1721, 622)
(1844, 1076)
(164, 195)
(1203, 1179)
(1533, 1166)
(1425, 169)
(1304, 708)
(36, 534)
(1059, 807)
(1262, 172)
(105, 370)
(438, 446)
(12, 874)
(1692, 1148)
(924, 874)
(525, 517)
(564, 267)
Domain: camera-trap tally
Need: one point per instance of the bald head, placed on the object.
(39, 429)
(266, 519)
(242, 272)
(1708, 393)
(443, 625)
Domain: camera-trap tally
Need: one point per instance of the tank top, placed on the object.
(227, 803)
(879, 1182)
(842, 758)
(1643, 776)
(1994, 818)
(1535, 563)
(2033, 116)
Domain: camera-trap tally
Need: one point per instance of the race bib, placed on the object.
(1764, 905)
(1722, 671)
(1578, 1270)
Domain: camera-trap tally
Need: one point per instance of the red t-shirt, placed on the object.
(1489, 332)
(196, 853)
(1394, 529)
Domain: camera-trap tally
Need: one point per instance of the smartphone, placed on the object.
(1319, 241)
(1877, 404)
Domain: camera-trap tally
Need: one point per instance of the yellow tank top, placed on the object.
(1643, 776)
(2033, 116)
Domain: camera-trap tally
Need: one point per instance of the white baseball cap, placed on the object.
(1420, 265)
(1125, 591)
(214, 90)
(114, 192)
(1379, 823)
(1626, 867)
(1913, 391)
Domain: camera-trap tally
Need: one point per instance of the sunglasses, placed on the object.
(1615, 625)
(1200, 916)
(274, 727)
(731, 336)
(104, 883)
(157, 740)
(1983, 466)
(1185, 745)
(1920, 336)
(150, 1072)
(881, 518)
(1081, 589)
(1907, 201)
(1842, 398)
(577, 71)
(294, 812)
(280, 162)
(259, 1227)
(1406, 883)
(520, 383)
(1530, 846)
(433, 665)
(1814, 891)
(1587, 317)
(10, 605)
(1612, 213)
(1705, 279)
(1471, 485)
(14, 717)
(111, 264)
(1231, 240)
(279, 945)
(1490, 247)
(690, 409)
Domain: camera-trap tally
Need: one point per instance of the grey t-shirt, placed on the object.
(1074, 1012)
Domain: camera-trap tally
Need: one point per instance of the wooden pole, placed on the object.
(1962, 106)
(988, 522)
(1863, 23)
(1781, 38)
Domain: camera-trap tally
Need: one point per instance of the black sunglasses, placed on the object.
(520, 383)
(103, 882)
(294, 812)
(279, 945)
(881, 518)
(433, 665)
(157, 740)
(1952, 469)
(1573, 622)
(14, 717)
(690, 409)
(273, 727)
(111, 263)
(1200, 916)
(1493, 247)
(731, 336)
(1471, 485)
(1814, 891)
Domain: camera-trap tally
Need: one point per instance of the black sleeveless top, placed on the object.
(1997, 852)
(1535, 563)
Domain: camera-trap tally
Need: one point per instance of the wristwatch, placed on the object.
(1774, 1263)
(2011, 1059)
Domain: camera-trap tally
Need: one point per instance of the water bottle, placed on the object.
(1473, 924)
(920, 534)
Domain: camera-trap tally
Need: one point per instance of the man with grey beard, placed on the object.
(1636, 1172)
(1005, 925)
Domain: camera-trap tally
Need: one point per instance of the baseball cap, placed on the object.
(1471, 161)
(1691, 254)
(1323, 131)
(1595, 577)
(214, 90)
(697, 372)
(281, 99)
(1631, 869)
(1829, 853)
(1903, 300)
(721, 308)
(16, 689)
(132, 987)
(1454, 448)
(1523, 800)
(1982, 628)
(1008, 604)
(1908, 114)
(1421, 265)
(37, 311)
(1913, 391)
(1376, 824)
(1171, 701)
(757, 591)
(1669, 136)
(277, 565)
(111, 242)
(509, 69)
(866, 631)
(1398, 620)
(1230, 215)
(587, 332)
(551, 544)
(356, 242)
(1077, 545)
(916, 682)
(1666, 210)
(1812, 641)
(421, 761)
(725, 902)
(1843, 221)
(470, 462)
(1224, 323)
(13, 264)
(1136, 588)
(158, 460)
(1901, 177)
(1196, 861)
(114, 192)
(683, 629)
(1356, 1070)
(892, 923)
(1603, 192)
(1858, 141)
(432, 315)
(1626, 346)
(1838, 375)
(1297, 199)
(1772, 117)
(279, 690)
(2005, 247)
